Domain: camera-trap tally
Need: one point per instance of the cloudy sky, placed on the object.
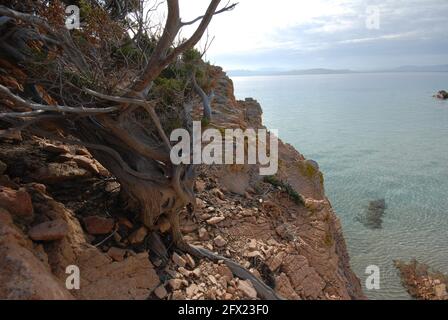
(299, 34)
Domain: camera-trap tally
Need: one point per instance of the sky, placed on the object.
(337, 34)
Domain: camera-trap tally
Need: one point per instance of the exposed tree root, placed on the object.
(238, 270)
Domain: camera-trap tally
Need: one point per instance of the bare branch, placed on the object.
(226, 8)
(206, 100)
(39, 108)
(147, 105)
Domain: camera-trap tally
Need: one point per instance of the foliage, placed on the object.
(296, 197)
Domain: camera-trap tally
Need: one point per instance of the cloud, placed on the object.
(292, 33)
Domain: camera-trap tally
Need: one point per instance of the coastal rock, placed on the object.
(58, 149)
(97, 225)
(215, 220)
(22, 275)
(49, 231)
(442, 94)
(138, 235)
(16, 202)
(161, 292)
(220, 241)
(178, 260)
(116, 253)
(247, 288)
(59, 172)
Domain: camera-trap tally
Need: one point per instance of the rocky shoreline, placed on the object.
(60, 207)
(421, 282)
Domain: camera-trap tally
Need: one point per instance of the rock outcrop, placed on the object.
(442, 95)
(59, 207)
(421, 282)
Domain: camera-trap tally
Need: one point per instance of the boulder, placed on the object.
(138, 235)
(97, 225)
(442, 94)
(49, 231)
(16, 202)
(56, 172)
(22, 275)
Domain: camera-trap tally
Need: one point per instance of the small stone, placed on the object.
(253, 254)
(175, 284)
(164, 225)
(252, 244)
(203, 234)
(49, 231)
(16, 202)
(275, 262)
(247, 288)
(219, 241)
(189, 227)
(215, 220)
(200, 185)
(125, 222)
(225, 272)
(440, 290)
(192, 290)
(116, 253)
(197, 272)
(218, 193)
(190, 261)
(178, 260)
(160, 292)
(178, 295)
(212, 279)
(200, 203)
(231, 290)
(228, 296)
(184, 272)
(138, 236)
(58, 149)
(97, 225)
(211, 209)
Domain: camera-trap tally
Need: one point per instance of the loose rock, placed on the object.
(97, 225)
(49, 231)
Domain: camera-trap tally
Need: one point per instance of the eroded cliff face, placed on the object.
(60, 207)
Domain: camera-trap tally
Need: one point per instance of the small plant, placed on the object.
(296, 197)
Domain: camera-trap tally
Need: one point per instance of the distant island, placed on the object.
(267, 72)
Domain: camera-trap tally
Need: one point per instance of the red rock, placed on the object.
(138, 235)
(116, 253)
(22, 275)
(55, 148)
(160, 292)
(247, 288)
(98, 225)
(178, 260)
(59, 172)
(16, 202)
(49, 231)
(225, 272)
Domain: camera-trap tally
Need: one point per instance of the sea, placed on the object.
(375, 136)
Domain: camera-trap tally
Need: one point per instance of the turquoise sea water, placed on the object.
(374, 136)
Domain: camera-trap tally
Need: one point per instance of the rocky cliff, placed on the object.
(59, 207)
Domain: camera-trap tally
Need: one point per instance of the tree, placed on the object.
(100, 79)
(98, 85)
